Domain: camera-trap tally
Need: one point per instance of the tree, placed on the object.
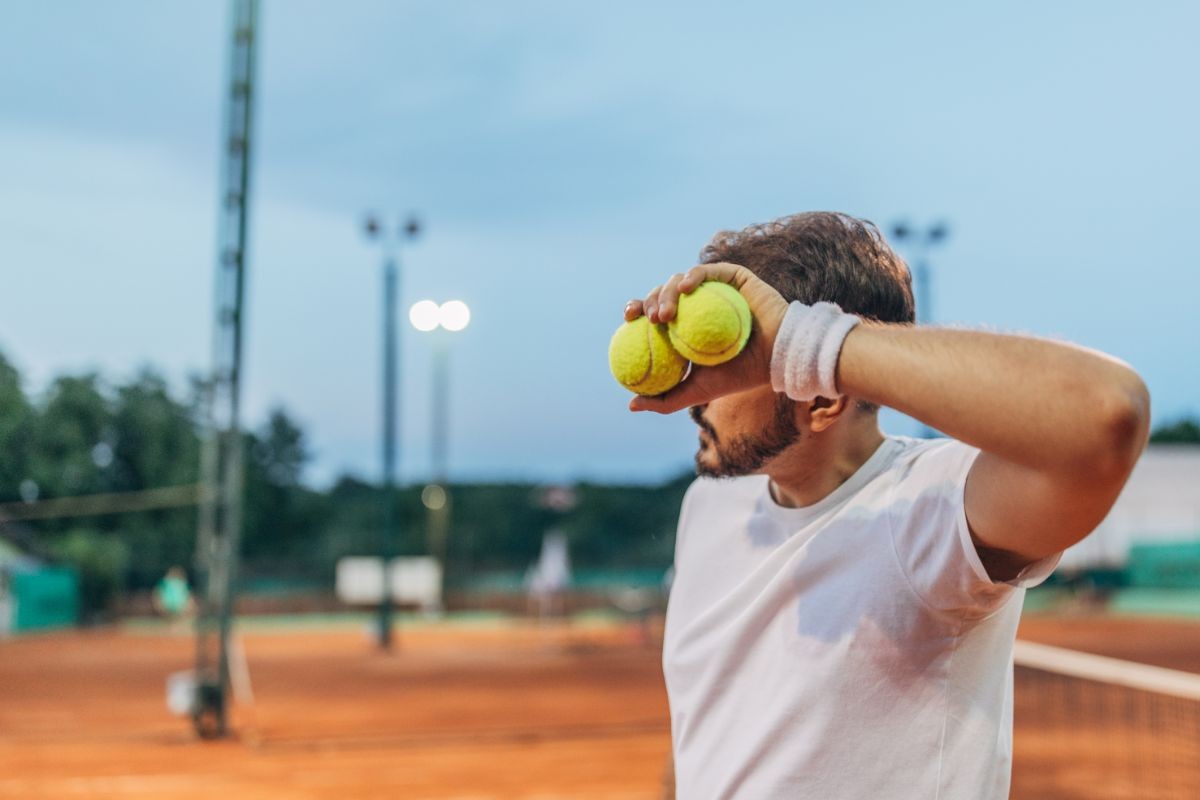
(70, 435)
(16, 432)
(100, 560)
(1182, 431)
(155, 443)
(155, 438)
(83, 437)
(282, 516)
(280, 450)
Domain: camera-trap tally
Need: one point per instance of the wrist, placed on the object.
(806, 350)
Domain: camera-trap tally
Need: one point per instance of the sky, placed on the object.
(566, 157)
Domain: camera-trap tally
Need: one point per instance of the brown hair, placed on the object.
(824, 255)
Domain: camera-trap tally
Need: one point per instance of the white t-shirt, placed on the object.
(854, 648)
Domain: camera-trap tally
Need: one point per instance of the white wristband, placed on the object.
(804, 360)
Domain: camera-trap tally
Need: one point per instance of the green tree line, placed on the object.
(84, 436)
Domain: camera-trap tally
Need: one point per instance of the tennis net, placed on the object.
(1087, 726)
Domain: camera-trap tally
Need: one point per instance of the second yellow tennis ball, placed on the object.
(642, 360)
(711, 324)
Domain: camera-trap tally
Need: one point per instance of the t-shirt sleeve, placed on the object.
(933, 541)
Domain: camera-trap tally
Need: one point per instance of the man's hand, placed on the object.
(751, 368)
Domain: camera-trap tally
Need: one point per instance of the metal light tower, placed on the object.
(218, 538)
(922, 242)
(450, 317)
(391, 283)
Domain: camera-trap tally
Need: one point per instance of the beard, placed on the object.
(748, 453)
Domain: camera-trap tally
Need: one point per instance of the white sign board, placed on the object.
(414, 579)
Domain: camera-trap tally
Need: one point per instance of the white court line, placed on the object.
(157, 785)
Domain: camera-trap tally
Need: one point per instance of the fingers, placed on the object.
(667, 296)
(693, 278)
(661, 302)
(668, 299)
(749, 369)
(732, 274)
(650, 304)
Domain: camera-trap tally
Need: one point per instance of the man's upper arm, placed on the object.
(1018, 515)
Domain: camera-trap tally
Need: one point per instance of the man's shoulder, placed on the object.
(928, 471)
(922, 457)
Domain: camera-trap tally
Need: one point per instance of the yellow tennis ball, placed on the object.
(711, 324)
(642, 360)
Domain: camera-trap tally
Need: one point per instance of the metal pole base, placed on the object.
(208, 716)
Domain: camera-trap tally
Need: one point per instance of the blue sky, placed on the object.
(567, 157)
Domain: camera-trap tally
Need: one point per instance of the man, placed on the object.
(842, 619)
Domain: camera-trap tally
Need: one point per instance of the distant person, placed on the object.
(844, 603)
(6, 604)
(172, 598)
(547, 580)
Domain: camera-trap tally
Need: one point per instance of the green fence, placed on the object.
(44, 598)
(1165, 566)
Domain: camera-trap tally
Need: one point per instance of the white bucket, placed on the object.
(181, 693)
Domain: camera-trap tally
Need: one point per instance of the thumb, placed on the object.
(702, 385)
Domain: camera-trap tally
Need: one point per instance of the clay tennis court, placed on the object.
(487, 711)
(513, 711)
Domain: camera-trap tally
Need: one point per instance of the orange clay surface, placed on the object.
(508, 711)
(504, 710)
(1072, 741)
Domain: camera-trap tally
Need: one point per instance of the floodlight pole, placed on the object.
(389, 533)
(441, 411)
(436, 496)
(388, 549)
(923, 242)
(219, 530)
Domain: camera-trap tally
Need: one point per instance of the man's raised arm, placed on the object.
(1060, 427)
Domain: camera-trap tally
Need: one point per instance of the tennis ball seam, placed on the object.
(736, 340)
(649, 356)
(662, 365)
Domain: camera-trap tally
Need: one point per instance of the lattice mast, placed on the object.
(220, 518)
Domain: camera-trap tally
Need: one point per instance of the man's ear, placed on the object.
(823, 412)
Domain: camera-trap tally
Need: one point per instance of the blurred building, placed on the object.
(1156, 519)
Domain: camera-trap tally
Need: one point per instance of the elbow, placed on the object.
(1124, 423)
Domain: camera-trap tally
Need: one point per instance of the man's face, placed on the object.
(739, 433)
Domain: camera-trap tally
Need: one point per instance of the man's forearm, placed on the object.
(1040, 404)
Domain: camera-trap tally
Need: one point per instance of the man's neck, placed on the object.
(806, 475)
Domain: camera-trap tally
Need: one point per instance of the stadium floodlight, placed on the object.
(425, 315)
(433, 497)
(455, 315)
